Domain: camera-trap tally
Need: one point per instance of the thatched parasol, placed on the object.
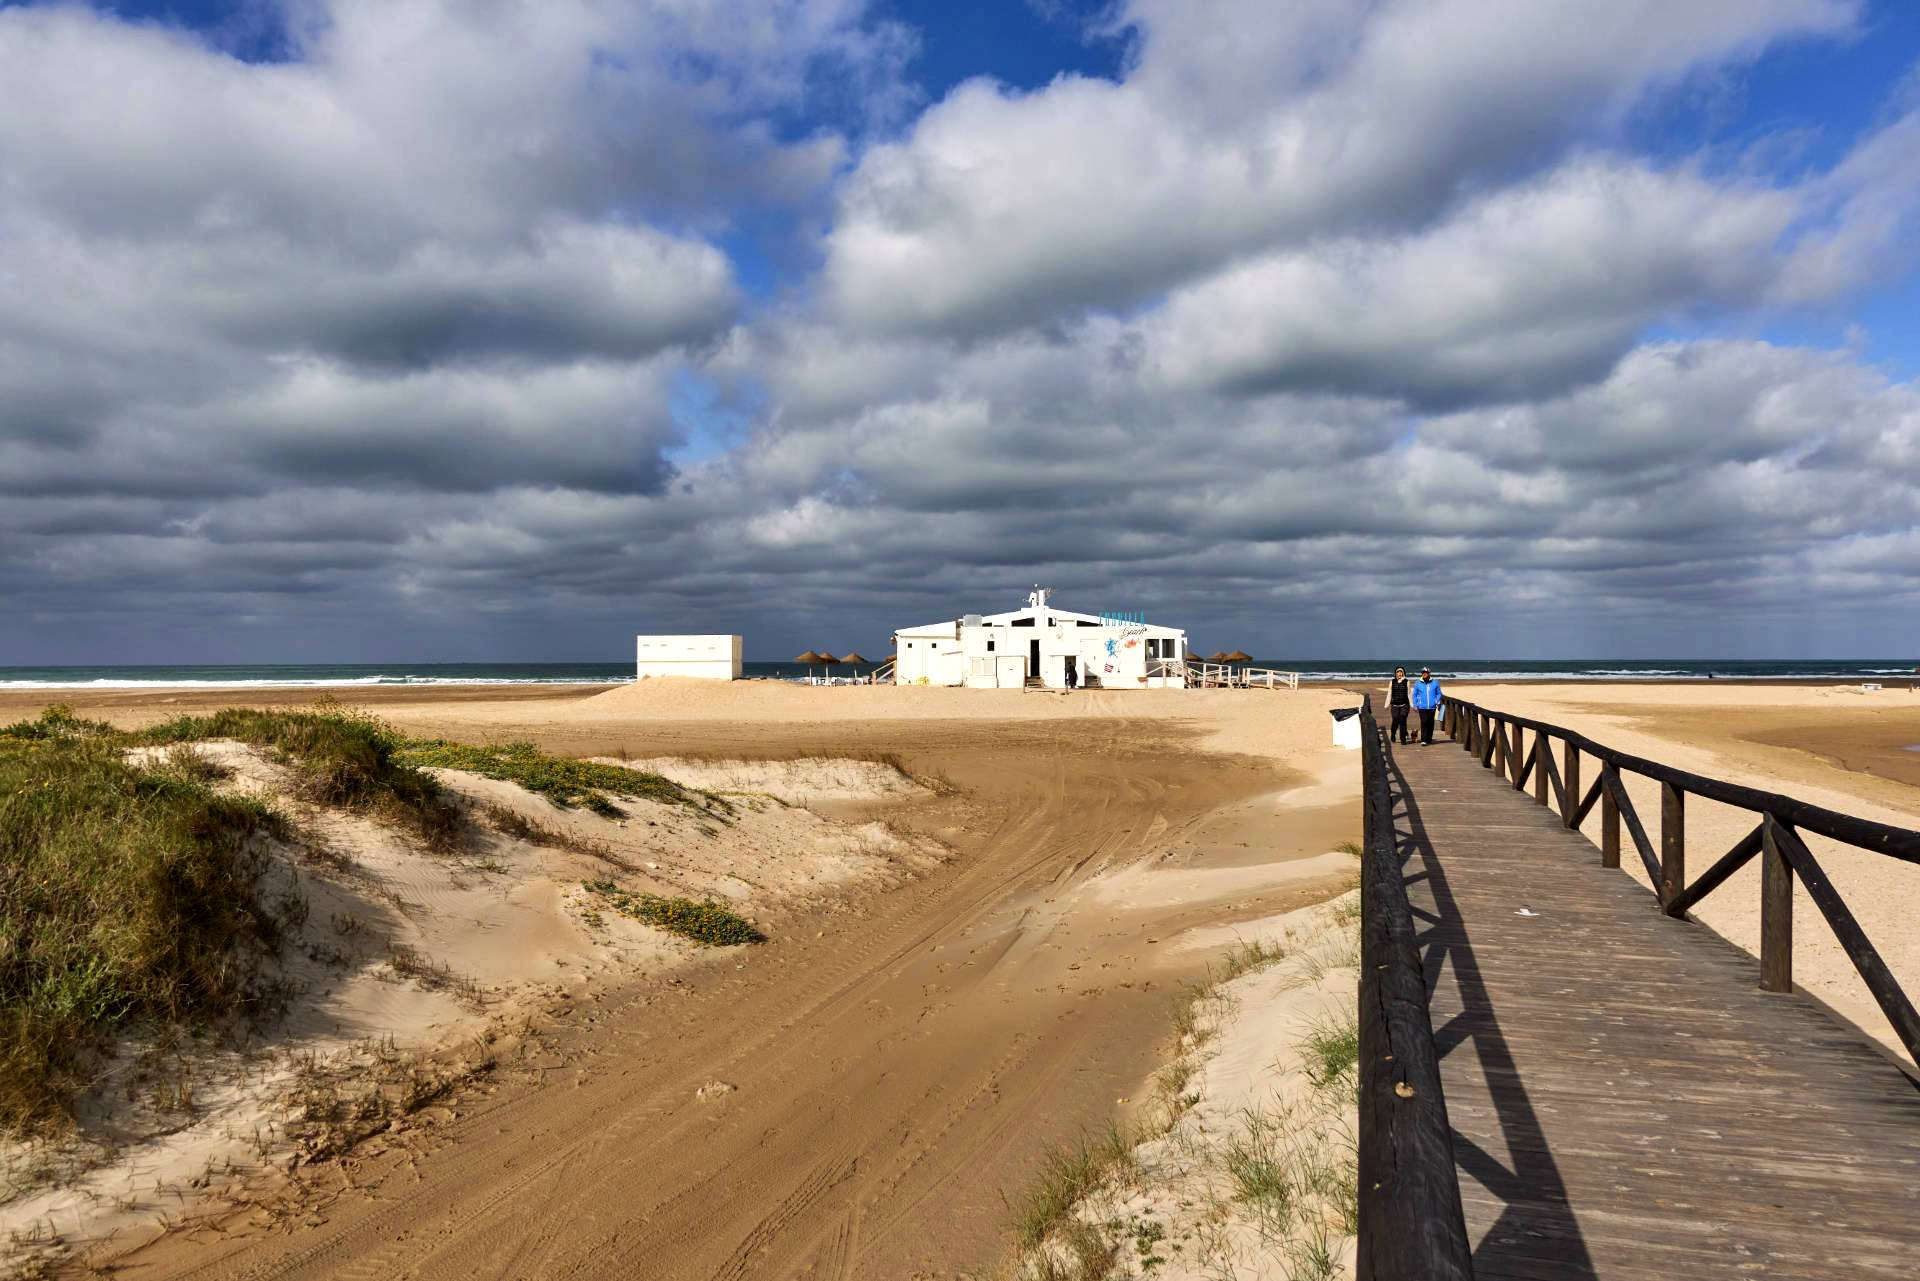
(853, 658)
(810, 658)
(1216, 657)
(1239, 656)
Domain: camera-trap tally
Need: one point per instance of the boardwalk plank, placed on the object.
(1626, 1101)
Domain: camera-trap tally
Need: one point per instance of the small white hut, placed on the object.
(711, 657)
(998, 651)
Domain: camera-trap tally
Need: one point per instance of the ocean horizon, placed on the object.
(335, 675)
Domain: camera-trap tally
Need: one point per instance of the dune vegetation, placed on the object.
(126, 893)
(131, 883)
(703, 921)
(562, 780)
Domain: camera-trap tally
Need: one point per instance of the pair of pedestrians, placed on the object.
(1422, 696)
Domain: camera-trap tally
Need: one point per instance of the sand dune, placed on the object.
(858, 1094)
(412, 965)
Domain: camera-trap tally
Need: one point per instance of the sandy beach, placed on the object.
(859, 1096)
(863, 1092)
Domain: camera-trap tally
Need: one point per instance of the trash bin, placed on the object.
(1346, 727)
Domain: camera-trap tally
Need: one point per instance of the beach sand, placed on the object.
(861, 1095)
(1830, 745)
(864, 1094)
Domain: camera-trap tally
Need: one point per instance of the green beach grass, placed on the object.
(130, 893)
(702, 921)
(565, 782)
(130, 886)
(340, 756)
(126, 894)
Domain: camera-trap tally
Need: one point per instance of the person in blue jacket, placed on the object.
(1427, 700)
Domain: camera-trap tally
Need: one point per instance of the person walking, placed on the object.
(1427, 699)
(1398, 703)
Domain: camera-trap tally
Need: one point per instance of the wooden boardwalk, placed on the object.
(1625, 1101)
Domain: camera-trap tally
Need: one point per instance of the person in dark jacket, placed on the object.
(1427, 699)
(1398, 703)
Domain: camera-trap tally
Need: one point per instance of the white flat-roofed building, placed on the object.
(711, 657)
(999, 651)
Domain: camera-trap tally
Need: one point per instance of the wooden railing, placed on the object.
(1411, 1223)
(883, 674)
(1202, 675)
(1500, 741)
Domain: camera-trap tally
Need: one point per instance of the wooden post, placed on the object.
(1541, 746)
(1516, 748)
(1570, 779)
(1776, 914)
(1673, 842)
(1609, 830)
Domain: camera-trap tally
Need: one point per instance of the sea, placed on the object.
(281, 675)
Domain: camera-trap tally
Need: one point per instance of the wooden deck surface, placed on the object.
(1625, 1101)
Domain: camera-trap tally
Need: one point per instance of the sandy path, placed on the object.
(895, 1070)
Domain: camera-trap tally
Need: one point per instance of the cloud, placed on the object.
(445, 246)
(1247, 128)
(1322, 327)
(1529, 290)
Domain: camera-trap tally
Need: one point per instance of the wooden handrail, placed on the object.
(1776, 841)
(1881, 838)
(1411, 1224)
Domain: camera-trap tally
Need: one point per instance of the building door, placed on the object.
(1033, 657)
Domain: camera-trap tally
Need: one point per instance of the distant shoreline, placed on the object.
(534, 687)
(77, 680)
(17, 702)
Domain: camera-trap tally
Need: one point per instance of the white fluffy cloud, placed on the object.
(1249, 128)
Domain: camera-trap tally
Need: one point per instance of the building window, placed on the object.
(989, 647)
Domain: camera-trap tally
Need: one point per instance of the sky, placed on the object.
(491, 330)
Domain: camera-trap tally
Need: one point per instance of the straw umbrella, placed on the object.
(1239, 656)
(809, 658)
(852, 658)
(827, 660)
(1216, 657)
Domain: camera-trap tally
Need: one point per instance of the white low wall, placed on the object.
(710, 657)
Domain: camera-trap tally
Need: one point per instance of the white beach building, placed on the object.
(713, 657)
(999, 651)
